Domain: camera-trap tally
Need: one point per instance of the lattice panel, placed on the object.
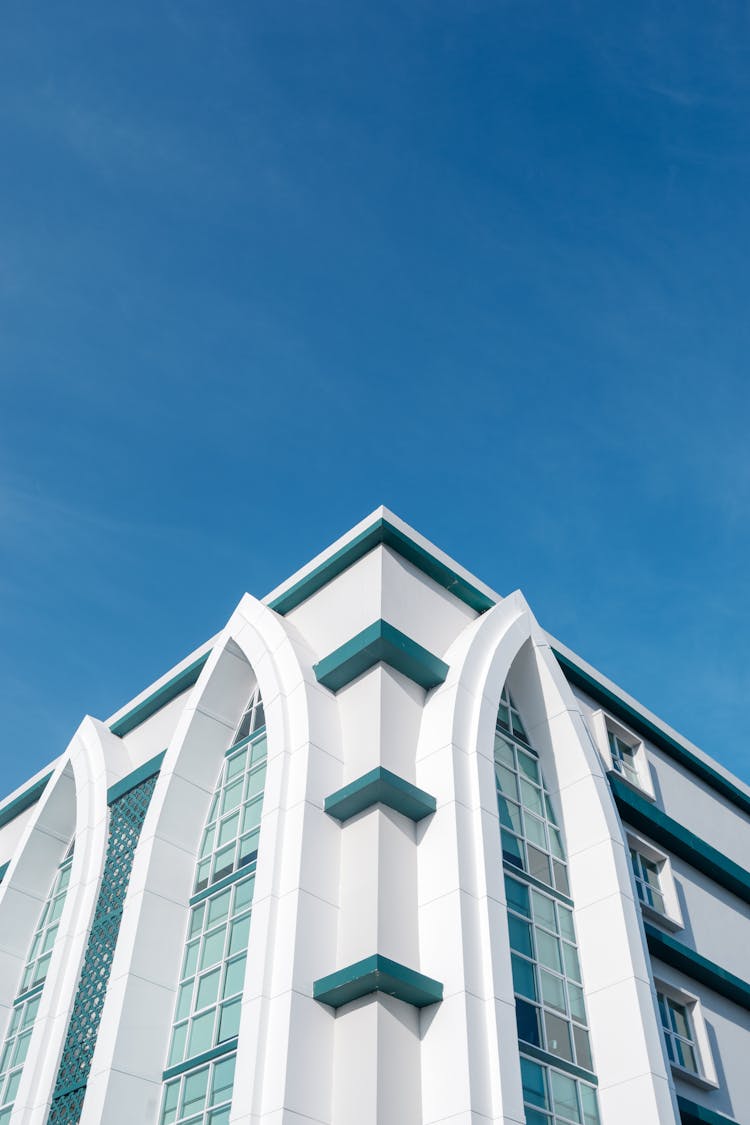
(126, 821)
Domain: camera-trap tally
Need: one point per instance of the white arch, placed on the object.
(256, 645)
(74, 801)
(475, 1026)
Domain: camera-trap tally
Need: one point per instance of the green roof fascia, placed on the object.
(697, 967)
(24, 800)
(143, 773)
(380, 642)
(643, 815)
(647, 729)
(3, 868)
(382, 533)
(380, 786)
(377, 974)
(693, 1114)
(160, 698)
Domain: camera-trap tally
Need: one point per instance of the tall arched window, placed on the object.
(556, 1065)
(26, 1004)
(200, 1064)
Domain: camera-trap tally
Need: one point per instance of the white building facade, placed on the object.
(381, 852)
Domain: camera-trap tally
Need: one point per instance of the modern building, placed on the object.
(380, 852)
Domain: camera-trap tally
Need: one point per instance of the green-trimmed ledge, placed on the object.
(693, 1114)
(139, 775)
(379, 786)
(697, 967)
(382, 533)
(3, 868)
(377, 974)
(159, 698)
(24, 800)
(380, 642)
(643, 815)
(643, 726)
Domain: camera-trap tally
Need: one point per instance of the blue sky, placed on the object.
(265, 266)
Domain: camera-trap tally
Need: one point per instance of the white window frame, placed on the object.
(671, 917)
(707, 1079)
(603, 724)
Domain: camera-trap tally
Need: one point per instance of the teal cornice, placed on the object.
(693, 1114)
(377, 974)
(643, 815)
(24, 800)
(3, 868)
(143, 773)
(380, 642)
(382, 533)
(643, 726)
(380, 786)
(225, 1048)
(159, 698)
(697, 967)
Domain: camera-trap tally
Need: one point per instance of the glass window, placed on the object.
(209, 995)
(678, 1033)
(624, 758)
(647, 881)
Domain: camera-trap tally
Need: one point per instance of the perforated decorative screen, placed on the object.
(127, 814)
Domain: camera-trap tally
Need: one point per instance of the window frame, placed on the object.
(671, 917)
(707, 1078)
(604, 725)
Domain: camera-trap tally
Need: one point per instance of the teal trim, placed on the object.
(380, 642)
(697, 967)
(227, 881)
(143, 773)
(29, 994)
(199, 1060)
(259, 733)
(693, 1114)
(160, 698)
(524, 877)
(382, 533)
(380, 786)
(3, 868)
(646, 817)
(377, 974)
(24, 800)
(670, 746)
(559, 1064)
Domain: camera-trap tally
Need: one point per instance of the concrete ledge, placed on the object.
(380, 786)
(377, 974)
(380, 642)
(693, 1114)
(699, 968)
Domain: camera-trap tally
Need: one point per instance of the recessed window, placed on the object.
(647, 883)
(685, 1035)
(623, 758)
(623, 752)
(654, 883)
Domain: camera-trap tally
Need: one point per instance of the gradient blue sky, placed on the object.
(265, 266)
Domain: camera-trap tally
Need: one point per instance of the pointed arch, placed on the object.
(255, 650)
(506, 644)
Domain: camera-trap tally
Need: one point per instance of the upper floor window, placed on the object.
(623, 758)
(685, 1035)
(623, 752)
(647, 881)
(654, 882)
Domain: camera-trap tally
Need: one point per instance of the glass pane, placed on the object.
(236, 764)
(208, 841)
(228, 829)
(169, 1112)
(177, 1052)
(544, 910)
(561, 877)
(503, 716)
(201, 1033)
(564, 1095)
(259, 750)
(504, 752)
(256, 782)
(229, 1025)
(232, 797)
(523, 977)
(534, 1085)
(222, 1081)
(194, 1091)
(553, 991)
(243, 893)
(520, 936)
(248, 848)
(531, 797)
(583, 1047)
(529, 767)
(575, 997)
(240, 933)
(224, 862)
(184, 996)
(213, 948)
(218, 908)
(506, 781)
(538, 864)
(512, 852)
(570, 956)
(191, 959)
(510, 815)
(527, 1022)
(208, 989)
(234, 978)
(517, 895)
(196, 919)
(548, 950)
(565, 918)
(558, 1036)
(535, 830)
(219, 1116)
(590, 1109)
